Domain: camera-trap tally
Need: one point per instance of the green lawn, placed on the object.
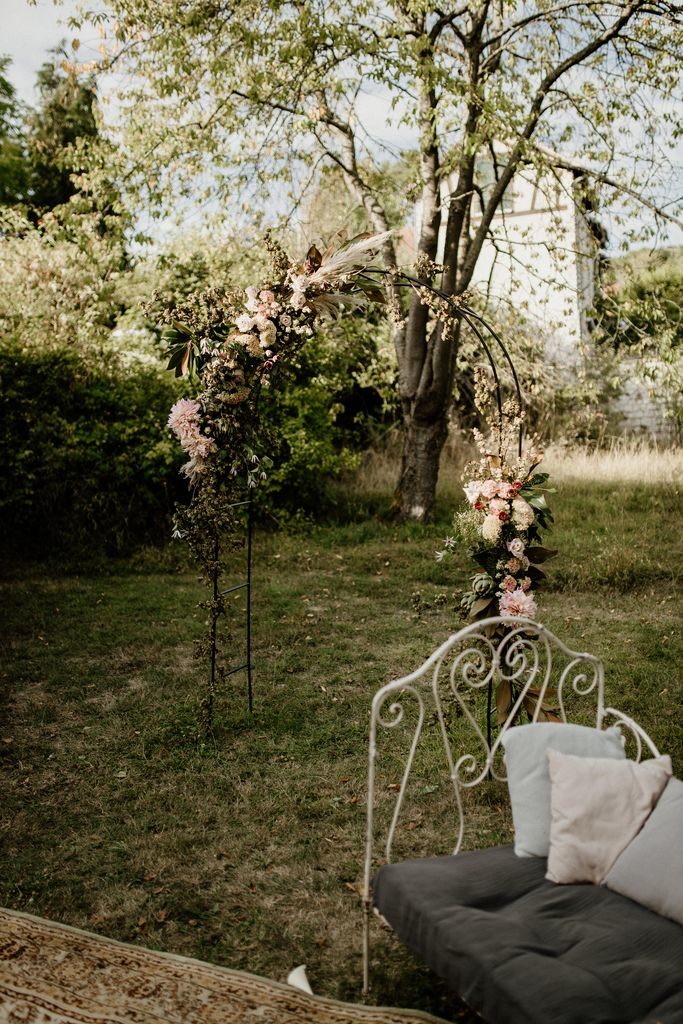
(248, 852)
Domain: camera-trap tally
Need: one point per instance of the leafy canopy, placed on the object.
(237, 103)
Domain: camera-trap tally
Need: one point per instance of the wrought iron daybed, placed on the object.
(518, 948)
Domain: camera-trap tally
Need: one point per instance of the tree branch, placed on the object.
(535, 114)
(605, 179)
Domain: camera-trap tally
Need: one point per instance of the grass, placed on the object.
(630, 461)
(248, 851)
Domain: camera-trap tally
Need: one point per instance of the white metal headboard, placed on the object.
(533, 660)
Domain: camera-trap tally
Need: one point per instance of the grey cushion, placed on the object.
(526, 761)
(522, 950)
(650, 870)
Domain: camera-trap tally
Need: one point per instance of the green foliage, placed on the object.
(58, 282)
(329, 407)
(55, 131)
(13, 165)
(87, 460)
(639, 315)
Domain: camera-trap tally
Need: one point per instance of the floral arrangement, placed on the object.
(507, 511)
(232, 344)
(236, 346)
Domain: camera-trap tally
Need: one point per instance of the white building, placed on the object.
(540, 258)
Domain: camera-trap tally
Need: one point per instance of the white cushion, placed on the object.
(597, 806)
(650, 870)
(526, 761)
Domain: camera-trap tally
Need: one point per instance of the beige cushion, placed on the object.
(597, 806)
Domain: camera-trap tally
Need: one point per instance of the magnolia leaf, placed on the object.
(314, 255)
(535, 574)
(504, 700)
(540, 554)
(539, 502)
(480, 606)
(181, 329)
(538, 479)
(182, 359)
(548, 716)
(371, 289)
(550, 699)
(493, 629)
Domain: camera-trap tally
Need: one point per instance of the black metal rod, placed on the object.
(250, 525)
(238, 668)
(468, 314)
(231, 590)
(214, 620)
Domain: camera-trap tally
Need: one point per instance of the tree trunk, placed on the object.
(422, 446)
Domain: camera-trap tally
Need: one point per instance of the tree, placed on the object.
(56, 130)
(13, 165)
(268, 92)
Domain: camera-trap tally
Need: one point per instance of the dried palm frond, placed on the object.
(351, 257)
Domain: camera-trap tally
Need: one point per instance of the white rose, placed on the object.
(244, 323)
(516, 547)
(472, 490)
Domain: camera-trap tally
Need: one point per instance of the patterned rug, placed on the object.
(53, 974)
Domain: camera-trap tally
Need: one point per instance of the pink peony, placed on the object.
(522, 513)
(509, 583)
(198, 446)
(513, 565)
(183, 418)
(526, 583)
(498, 505)
(489, 489)
(517, 602)
(506, 490)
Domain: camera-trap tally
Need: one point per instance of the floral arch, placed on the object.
(237, 345)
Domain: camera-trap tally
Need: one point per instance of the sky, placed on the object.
(27, 33)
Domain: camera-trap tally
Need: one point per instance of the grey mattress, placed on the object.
(522, 950)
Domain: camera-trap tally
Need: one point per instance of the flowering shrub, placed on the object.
(501, 527)
(86, 466)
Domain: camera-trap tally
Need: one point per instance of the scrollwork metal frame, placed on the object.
(528, 654)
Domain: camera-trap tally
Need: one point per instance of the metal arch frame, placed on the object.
(480, 327)
(525, 654)
(477, 324)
